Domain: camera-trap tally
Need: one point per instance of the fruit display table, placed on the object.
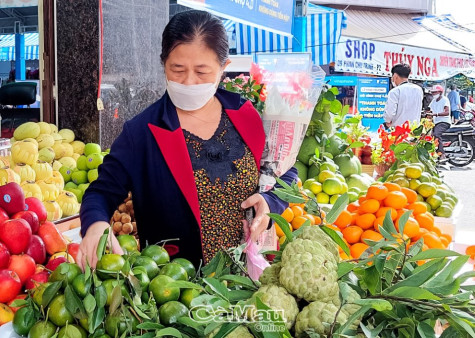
(68, 223)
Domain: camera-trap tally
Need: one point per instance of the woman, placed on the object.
(191, 159)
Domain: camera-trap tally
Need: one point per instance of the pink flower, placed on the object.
(257, 73)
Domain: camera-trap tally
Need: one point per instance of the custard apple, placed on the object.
(317, 317)
(277, 298)
(239, 332)
(349, 308)
(270, 275)
(314, 233)
(309, 271)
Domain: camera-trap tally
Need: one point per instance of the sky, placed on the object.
(462, 10)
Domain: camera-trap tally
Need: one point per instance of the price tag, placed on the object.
(100, 104)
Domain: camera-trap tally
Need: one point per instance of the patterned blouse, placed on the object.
(225, 174)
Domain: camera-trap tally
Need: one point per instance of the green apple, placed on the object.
(84, 186)
(79, 177)
(70, 185)
(104, 153)
(79, 194)
(92, 148)
(66, 173)
(92, 175)
(81, 162)
(94, 161)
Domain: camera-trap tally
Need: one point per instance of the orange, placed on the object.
(396, 200)
(361, 199)
(310, 218)
(425, 221)
(371, 235)
(384, 210)
(411, 195)
(344, 256)
(288, 215)
(322, 214)
(392, 186)
(437, 231)
(421, 233)
(318, 220)
(411, 229)
(298, 221)
(447, 236)
(352, 234)
(357, 249)
(369, 206)
(378, 222)
(344, 219)
(432, 241)
(279, 232)
(354, 216)
(297, 210)
(299, 183)
(365, 221)
(352, 207)
(470, 250)
(378, 192)
(417, 208)
(401, 212)
(444, 241)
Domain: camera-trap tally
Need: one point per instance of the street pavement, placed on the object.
(462, 180)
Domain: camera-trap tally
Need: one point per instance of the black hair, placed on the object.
(185, 27)
(401, 69)
(453, 86)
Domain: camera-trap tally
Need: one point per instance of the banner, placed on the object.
(18, 3)
(372, 95)
(377, 58)
(271, 15)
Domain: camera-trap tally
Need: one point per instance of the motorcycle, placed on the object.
(459, 141)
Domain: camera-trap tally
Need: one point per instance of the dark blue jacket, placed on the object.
(150, 159)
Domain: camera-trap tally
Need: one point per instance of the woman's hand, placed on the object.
(88, 247)
(261, 220)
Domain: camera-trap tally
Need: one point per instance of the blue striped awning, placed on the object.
(7, 47)
(324, 27)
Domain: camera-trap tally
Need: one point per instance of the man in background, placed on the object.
(440, 112)
(454, 99)
(404, 100)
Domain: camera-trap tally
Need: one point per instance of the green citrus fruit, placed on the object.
(149, 264)
(58, 313)
(38, 293)
(111, 262)
(171, 311)
(323, 198)
(187, 295)
(79, 285)
(429, 208)
(445, 210)
(315, 187)
(434, 201)
(128, 243)
(308, 183)
(352, 196)
(84, 323)
(187, 265)
(334, 198)
(24, 320)
(109, 285)
(118, 323)
(442, 194)
(72, 331)
(402, 182)
(344, 188)
(332, 186)
(162, 291)
(425, 177)
(419, 198)
(427, 189)
(157, 253)
(328, 166)
(449, 200)
(414, 184)
(43, 329)
(175, 271)
(340, 178)
(436, 180)
(141, 274)
(65, 272)
(324, 175)
(413, 172)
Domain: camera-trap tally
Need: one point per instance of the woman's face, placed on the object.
(193, 63)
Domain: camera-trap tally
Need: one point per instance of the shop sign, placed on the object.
(377, 58)
(18, 3)
(372, 94)
(342, 80)
(271, 15)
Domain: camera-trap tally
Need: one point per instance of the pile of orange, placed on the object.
(296, 215)
(362, 219)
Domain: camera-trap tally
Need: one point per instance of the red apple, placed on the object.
(16, 235)
(23, 265)
(37, 249)
(15, 309)
(10, 285)
(31, 218)
(3, 216)
(73, 249)
(37, 278)
(12, 199)
(35, 205)
(4, 256)
(55, 262)
(53, 239)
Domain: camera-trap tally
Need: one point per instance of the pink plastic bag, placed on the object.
(256, 263)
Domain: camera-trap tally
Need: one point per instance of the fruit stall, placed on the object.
(365, 247)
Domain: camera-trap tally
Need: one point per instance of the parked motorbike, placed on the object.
(459, 141)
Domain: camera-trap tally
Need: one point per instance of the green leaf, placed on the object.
(357, 144)
(101, 246)
(241, 280)
(150, 326)
(238, 295)
(344, 268)
(452, 332)
(226, 329)
(283, 224)
(352, 120)
(217, 287)
(336, 238)
(50, 292)
(406, 327)
(355, 316)
(101, 296)
(334, 90)
(340, 205)
(336, 107)
(18, 303)
(388, 226)
(448, 288)
(185, 285)
(288, 197)
(400, 147)
(116, 298)
(74, 303)
(284, 184)
(187, 321)
(433, 253)
(403, 220)
(372, 279)
(413, 292)
(418, 130)
(447, 275)
(329, 96)
(425, 330)
(461, 323)
(98, 317)
(346, 109)
(317, 152)
(89, 303)
(168, 331)
(377, 304)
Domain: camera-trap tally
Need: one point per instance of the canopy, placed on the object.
(7, 47)
(324, 27)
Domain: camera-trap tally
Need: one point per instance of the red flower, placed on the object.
(263, 94)
(428, 138)
(403, 131)
(257, 73)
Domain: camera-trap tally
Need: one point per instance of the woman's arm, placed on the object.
(276, 205)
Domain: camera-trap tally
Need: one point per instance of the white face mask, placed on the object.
(190, 97)
(393, 83)
(436, 96)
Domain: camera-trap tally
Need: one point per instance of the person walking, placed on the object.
(404, 100)
(440, 111)
(455, 106)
